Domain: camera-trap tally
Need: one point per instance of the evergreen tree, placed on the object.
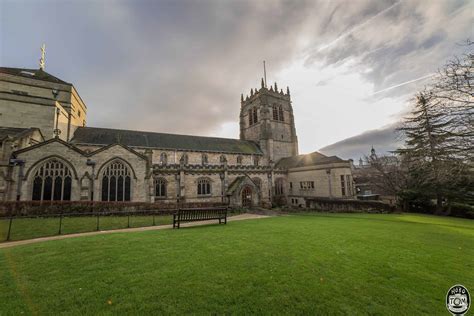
(430, 147)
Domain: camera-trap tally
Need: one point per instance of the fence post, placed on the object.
(154, 219)
(98, 221)
(9, 228)
(128, 223)
(60, 223)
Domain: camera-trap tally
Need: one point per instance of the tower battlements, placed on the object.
(272, 91)
(266, 117)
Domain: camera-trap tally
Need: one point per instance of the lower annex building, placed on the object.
(48, 153)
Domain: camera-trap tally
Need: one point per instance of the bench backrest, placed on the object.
(195, 214)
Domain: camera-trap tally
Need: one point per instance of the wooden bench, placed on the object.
(204, 214)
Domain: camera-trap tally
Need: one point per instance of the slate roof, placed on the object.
(235, 184)
(105, 136)
(13, 131)
(311, 159)
(37, 74)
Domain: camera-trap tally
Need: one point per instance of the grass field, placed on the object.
(27, 228)
(303, 264)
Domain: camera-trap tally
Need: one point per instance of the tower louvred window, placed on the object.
(250, 118)
(280, 114)
(255, 116)
(275, 113)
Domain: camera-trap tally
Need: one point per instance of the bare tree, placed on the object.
(454, 89)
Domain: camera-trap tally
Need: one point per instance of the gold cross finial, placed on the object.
(42, 59)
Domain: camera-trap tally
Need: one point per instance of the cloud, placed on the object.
(180, 66)
(383, 140)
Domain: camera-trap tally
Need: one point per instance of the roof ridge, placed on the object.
(37, 74)
(161, 133)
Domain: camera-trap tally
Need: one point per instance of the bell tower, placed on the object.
(266, 117)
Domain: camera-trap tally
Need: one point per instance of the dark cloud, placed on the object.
(383, 140)
(180, 66)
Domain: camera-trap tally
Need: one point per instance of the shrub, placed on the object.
(460, 210)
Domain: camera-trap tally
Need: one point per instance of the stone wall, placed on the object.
(348, 206)
(28, 103)
(83, 174)
(326, 178)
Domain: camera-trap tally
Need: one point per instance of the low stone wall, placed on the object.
(348, 206)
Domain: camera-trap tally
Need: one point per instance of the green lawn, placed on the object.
(27, 228)
(301, 264)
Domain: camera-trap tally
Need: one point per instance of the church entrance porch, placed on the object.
(243, 192)
(246, 197)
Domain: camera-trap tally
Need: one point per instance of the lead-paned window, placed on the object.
(116, 180)
(204, 187)
(343, 186)
(160, 187)
(52, 182)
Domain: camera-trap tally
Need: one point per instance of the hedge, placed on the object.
(33, 208)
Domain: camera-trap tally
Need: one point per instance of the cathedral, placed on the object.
(49, 153)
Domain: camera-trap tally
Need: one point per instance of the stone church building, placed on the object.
(49, 153)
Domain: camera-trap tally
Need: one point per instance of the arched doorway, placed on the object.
(246, 197)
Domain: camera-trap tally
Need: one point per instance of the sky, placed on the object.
(180, 66)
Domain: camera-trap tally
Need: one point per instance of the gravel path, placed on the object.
(137, 229)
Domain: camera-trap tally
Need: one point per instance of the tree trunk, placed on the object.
(439, 203)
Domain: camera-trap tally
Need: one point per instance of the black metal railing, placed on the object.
(97, 215)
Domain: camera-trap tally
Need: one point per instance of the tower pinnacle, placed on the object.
(42, 59)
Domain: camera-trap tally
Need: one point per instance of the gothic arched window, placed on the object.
(279, 187)
(52, 181)
(204, 159)
(239, 160)
(204, 187)
(250, 117)
(280, 114)
(275, 113)
(116, 182)
(160, 188)
(163, 158)
(255, 116)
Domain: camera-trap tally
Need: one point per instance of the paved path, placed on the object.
(137, 229)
